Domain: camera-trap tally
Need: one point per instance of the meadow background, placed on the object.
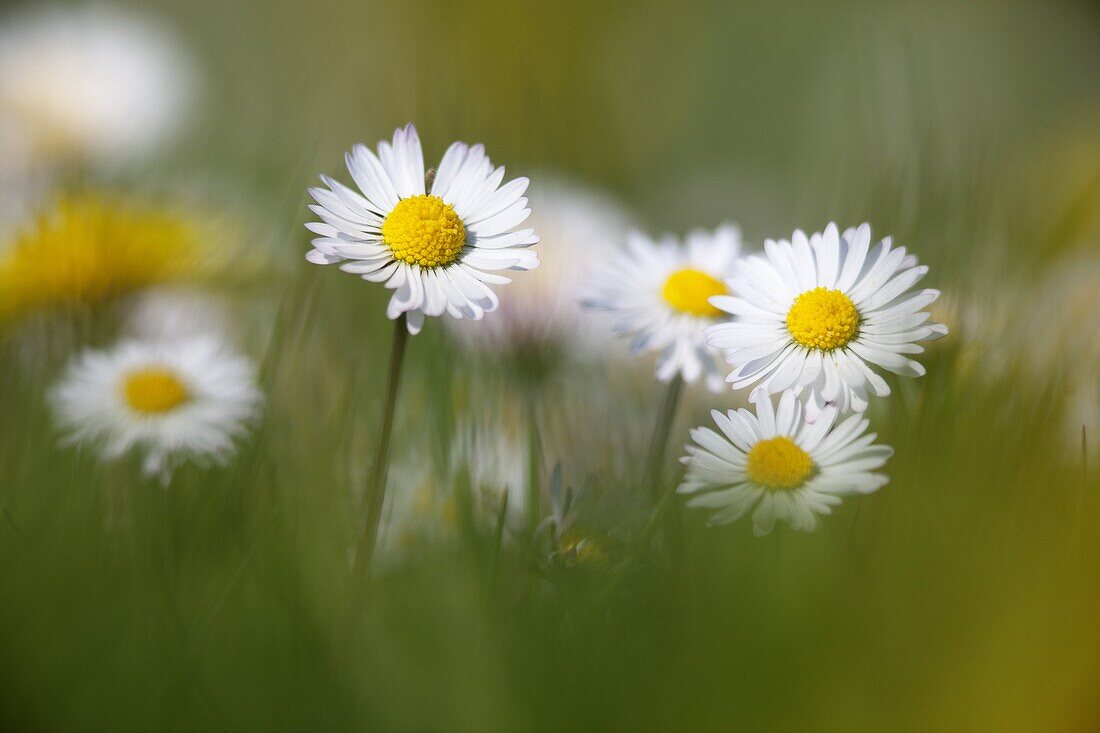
(963, 596)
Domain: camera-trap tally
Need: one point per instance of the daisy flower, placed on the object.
(437, 245)
(786, 467)
(93, 83)
(660, 293)
(816, 313)
(542, 314)
(170, 401)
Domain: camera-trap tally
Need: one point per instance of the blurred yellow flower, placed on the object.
(88, 250)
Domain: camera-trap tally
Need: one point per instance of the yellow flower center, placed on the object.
(823, 319)
(689, 291)
(779, 464)
(154, 390)
(425, 231)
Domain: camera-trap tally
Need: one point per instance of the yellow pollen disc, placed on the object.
(777, 463)
(688, 291)
(154, 390)
(425, 231)
(823, 319)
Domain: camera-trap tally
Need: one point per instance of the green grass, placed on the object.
(963, 596)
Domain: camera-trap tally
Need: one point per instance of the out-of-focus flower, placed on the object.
(24, 186)
(435, 247)
(579, 228)
(173, 312)
(660, 294)
(496, 460)
(786, 467)
(171, 401)
(418, 511)
(87, 250)
(815, 311)
(92, 84)
(1065, 341)
(583, 549)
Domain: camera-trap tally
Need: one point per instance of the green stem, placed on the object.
(534, 465)
(376, 488)
(654, 522)
(658, 443)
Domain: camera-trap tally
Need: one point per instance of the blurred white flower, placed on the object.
(775, 460)
(92, 83)
(423, 507)
(436, 246)
(168, 312)
(171, 401)
(812, 313)
(418, 512)
(659, 293)
(497, 461)
(24, 187)
(1065, 341)
(580, 229)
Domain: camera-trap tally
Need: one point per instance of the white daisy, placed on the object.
(660, 294)
(786, 467)
(435, 248)
(92, 83)
(497, 462)
(171, 401)
(578, 227)
(816, 312)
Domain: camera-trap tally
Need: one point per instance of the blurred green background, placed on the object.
(964, 596)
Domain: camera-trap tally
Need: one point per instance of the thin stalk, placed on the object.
(654, 464)
(654, 522)
(375, 494)
(534, 466)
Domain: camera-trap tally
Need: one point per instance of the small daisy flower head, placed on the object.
(92, 84)
(170, 401)
(660, 295)
(438, 246)
(821, 313)
(787, 468)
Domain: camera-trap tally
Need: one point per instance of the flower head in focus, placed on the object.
(775, 461)
(437, 245)
(815, 313)
(92, 84)
(660, 295)
(171, 401)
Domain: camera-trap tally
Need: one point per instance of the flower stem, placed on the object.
(654, 464)
(375, 494)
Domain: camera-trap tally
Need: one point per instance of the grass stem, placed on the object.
(375, 494)
(658, 444)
